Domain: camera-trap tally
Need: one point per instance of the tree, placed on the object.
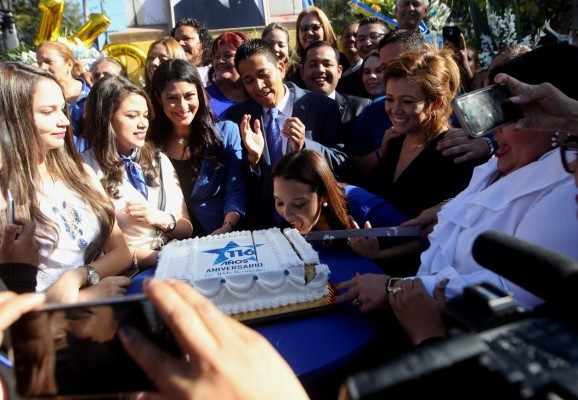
(27, 15)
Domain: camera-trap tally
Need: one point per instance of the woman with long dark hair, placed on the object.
(140, 181)
(206, 156)
(81, 247)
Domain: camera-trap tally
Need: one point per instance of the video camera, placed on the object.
(496, 349)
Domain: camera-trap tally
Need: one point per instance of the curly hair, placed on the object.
(104, 100)
(204, 37)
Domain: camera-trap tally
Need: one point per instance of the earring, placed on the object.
(324, 204)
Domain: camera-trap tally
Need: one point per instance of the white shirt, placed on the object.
(137, 234)
(285, 107)
(534, 203)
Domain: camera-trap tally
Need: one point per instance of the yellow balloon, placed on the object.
(97, 23)
(49, 28)
(120, 50)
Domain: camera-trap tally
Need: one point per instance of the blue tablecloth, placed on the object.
(316, 344)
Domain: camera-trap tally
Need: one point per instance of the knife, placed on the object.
(366, 232)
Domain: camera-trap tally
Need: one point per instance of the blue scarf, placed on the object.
(134, 172)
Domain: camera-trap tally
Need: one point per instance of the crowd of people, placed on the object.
(232, 133)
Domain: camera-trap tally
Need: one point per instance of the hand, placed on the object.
(387, 136)
(420, 315)
(294, 130)
(111, 286)
(87, 76)
(367, 247)
(456, 141)
(143, 212)
(65, 289)
(19, 244)
(252, 140)
(13, 305)
(428, 218)
(368, 289)
(220, 351)
(545, 107)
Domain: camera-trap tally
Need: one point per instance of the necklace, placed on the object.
(411, 148)
(181, 140)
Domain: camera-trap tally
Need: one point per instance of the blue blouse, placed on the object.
(76, 112)
(218, 101)
(219, 191)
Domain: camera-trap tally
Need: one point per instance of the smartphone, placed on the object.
(74, 350)
(485, 110)
(10, 210)
(451, 34)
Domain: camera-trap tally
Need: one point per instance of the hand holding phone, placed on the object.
(81, 353)
(485, 110)
(452, 34)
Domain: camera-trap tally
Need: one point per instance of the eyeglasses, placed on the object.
(307, 27)
(568, 150)
(372, 36)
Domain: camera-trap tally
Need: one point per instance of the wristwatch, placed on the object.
(93, 276)
(172, 225)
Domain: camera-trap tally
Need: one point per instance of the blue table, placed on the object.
(315, 345)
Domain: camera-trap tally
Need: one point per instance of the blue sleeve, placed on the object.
(234, 184)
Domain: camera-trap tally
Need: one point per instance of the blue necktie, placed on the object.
(134, 172)
(274, 142)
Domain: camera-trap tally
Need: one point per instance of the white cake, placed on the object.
(247, 271)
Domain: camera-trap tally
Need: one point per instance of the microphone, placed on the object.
(546, 273)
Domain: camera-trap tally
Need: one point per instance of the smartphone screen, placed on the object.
(485, 110)
(452, 34)
(75, 350)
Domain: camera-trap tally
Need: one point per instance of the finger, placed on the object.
(161, 368)
(28, 228)
(220, 326)
(439, 292)
(13, 306)
(355, 225)
(182, 319)
(367, 224)
(8, 237)
(257, 126)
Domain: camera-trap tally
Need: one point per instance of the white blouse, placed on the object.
(139, 234)
(77, 227)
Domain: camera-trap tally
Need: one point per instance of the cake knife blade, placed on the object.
(383, 231)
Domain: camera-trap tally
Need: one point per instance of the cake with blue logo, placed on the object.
(247, 271)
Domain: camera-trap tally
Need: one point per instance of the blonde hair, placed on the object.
(174, 50)
(66, 54)
(328, 33)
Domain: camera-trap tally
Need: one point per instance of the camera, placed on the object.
(495, 347)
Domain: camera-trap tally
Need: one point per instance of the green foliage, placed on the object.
(27, 15)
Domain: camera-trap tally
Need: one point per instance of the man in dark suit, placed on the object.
(292, 119)
(321, 73)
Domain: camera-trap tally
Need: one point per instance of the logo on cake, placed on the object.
(234, 258)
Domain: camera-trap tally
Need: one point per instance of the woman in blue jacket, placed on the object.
(206, 156)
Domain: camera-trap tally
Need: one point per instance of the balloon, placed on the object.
(49, 28)
(97, 23)
(119, 50)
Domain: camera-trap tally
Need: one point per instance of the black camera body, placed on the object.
(495, 348)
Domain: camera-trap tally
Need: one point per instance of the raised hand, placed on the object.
(253, 140)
